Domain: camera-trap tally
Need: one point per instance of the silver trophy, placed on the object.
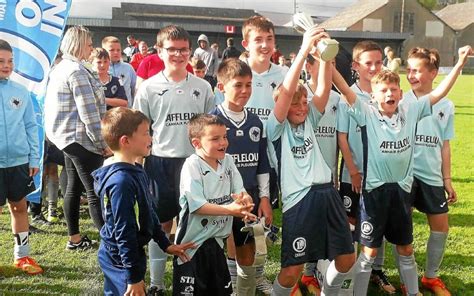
(327, 48)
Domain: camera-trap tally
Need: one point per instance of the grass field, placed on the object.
(73, 273)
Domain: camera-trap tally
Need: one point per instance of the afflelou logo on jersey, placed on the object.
(299, 151)
(178, 118)
(395, 146)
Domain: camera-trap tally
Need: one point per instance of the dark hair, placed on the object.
(199, 121)
(231, 68)
(4, 45)
(172, 32)
(230, 41)
(118, 122)
(197, 63)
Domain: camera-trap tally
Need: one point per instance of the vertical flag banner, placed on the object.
(34, 29)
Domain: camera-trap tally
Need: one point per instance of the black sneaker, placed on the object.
(155, 291)
(380, 278)
(39, 220)
(84, 244)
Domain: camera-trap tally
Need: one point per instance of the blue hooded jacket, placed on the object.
(128, 212)
(19, 141)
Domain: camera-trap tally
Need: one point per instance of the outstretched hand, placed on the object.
(311, 38)
(242, 206)
(179, 250)
(464, 52)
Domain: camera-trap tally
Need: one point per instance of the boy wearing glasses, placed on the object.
(169, 99)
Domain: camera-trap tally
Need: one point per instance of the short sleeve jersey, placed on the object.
(246, 145)
(261, 101)
(346, 124)
(170, 105)
(390, 142)
(300, 162)
(430, 134)
(325, 132)
(201, 184)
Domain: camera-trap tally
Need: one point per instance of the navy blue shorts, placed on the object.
(115, 275)
(350, 199)
(15, 183)
(164, 174)
(53, 154)
(385, 211)
(242, 238)
(205, 274)
(315, 228)
(428, 199)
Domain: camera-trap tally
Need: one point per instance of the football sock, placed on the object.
(362, 271)
(408, 272)
(434, 252)
(380, 258)
(259, 271)
(245, 280)
(396, 259)
(279, 290)
(22, 246)
(157, 264)
(309, 269)
(232, 266)
(332, 281)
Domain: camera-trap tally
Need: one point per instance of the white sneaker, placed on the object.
(263, 285)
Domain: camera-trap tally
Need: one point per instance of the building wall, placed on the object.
(386, 15)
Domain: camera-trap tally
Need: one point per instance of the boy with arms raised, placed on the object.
(367, 62)
(127, 207)
(385, 209)
(314, 223)
(249, 150)
(19, 157)
(169, 99)
(211, 192)
(432, 175)
(258, 35)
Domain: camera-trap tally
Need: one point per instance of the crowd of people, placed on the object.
(217, 143)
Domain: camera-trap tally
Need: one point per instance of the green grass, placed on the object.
(73, 273)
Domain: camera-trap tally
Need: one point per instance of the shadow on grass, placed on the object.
(464, 106)
(462, 113)
(463, 180)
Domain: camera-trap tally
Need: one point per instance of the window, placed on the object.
(408, 22)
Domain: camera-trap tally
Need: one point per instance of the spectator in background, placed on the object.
(139, 56)
(385, 51)
(199, 68)
(282, 62)
(72, 90)
(215, 46)
(123, 71)
(230, 51)
(210, 58)
(393, 63)
(132, 47)
(276, 55)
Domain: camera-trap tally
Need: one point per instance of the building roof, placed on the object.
(457, 16)
(352, 14)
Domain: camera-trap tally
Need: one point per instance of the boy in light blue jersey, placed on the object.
(352, 140)
(432, 161)
(314, 223)
(384, 206)
(19, 157)
(123, 71)
(211, 192)
(326, 138)
(170, 99)
(258, 35)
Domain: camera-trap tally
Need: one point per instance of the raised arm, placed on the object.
(321, 95)
(346, 92)
(288, 87)
(445, 86)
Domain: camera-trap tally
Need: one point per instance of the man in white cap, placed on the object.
(210, 58)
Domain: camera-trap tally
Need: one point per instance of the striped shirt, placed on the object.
(74, 105)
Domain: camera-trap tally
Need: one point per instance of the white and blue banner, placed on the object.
(34, 29)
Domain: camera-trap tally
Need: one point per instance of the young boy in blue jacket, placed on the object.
(127, 208)
(19, 156)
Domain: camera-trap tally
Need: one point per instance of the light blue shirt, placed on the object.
(325, 132)
(201, 184)
(298, 154)
(346, 124)
(390, 142)
(127, 78)
(430, 134)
